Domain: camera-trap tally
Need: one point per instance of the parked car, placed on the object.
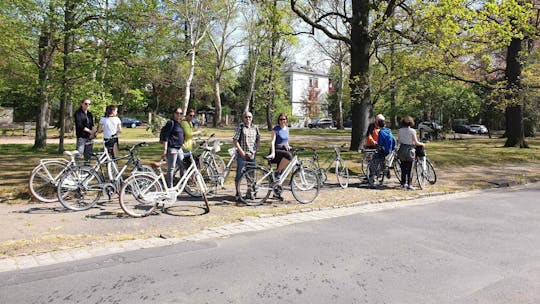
(130, 122)
(478, 129)
(347, 123)
(462, 129)
(429, 127)
(323, 123)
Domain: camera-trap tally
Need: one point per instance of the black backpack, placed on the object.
(163, 131)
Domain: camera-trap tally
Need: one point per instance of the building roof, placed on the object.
(304, 69)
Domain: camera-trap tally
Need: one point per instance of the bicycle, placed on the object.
(333, 161)
(378, 166)
(142, 192)
(45, 176)
(423, 168)
(212, 166)
(257, 182)
(80, 187)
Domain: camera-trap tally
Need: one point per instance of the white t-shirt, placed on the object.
(110, 126)
(405, 136)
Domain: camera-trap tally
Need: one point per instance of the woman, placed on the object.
(187, 126)
(279, 148)
(407, 138)
(111, 126)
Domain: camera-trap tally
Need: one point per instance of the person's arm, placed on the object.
(273, 145)
(100, 128)
(416, 142)
(236, 143)
(257, 141)
(166, 134)
(118, 126)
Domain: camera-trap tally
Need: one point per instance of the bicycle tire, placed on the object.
(397, 169)
(44, 179)
(342, 173)
(216, 161)
(313, 165)
(79, 188)
(305, 185)
(192, 187)
(375, 171)
(430, 173)
(134, 195)
(254, 186)
(202, 185)
(420, 174)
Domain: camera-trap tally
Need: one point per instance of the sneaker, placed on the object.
(237, 198)
(277, 176)
(404, 187)
(411, 188)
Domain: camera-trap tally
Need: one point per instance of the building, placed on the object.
(308, 91)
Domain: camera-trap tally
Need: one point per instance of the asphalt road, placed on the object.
(478, 249)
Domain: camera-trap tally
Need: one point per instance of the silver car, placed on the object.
(478, 129)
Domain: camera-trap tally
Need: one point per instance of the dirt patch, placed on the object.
(38, 228)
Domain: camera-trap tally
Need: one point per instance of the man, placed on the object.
(172, 139)
(246, 140)
(372, 133)
(84, 124)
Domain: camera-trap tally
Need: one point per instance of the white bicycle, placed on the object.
(142, 192)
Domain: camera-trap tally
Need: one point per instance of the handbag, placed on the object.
(406, 152)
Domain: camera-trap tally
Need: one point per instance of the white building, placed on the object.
(308, 91)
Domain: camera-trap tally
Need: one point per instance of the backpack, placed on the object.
(387, 141)
(164, 130)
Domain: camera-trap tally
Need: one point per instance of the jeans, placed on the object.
(174, 159)
(240, 164)
(84, 148)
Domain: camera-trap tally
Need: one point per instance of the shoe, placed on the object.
(237, 198)
(411, 188)
(387, 173)
(404, 187)
(277, 176)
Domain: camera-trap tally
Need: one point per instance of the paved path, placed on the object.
(264, 221)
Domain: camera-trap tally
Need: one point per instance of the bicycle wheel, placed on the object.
(305, 185)
(202, 185)
(397, 169)
(138, 194)
(216, 162)
(431, 175)
(143, 169)
(342, 173)
(254, 186)
(79, 188)
(314, 166)
(44, 179)
(375, 172)
(208, 173)
(420, 170)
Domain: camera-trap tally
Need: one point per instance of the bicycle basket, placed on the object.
(215, 146)
(232, 151)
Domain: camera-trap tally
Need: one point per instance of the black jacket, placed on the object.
(83, 120)
(174, 134)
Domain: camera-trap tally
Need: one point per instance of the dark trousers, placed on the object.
(406, 168)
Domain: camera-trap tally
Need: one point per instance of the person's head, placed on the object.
(177, 114)
(407, 121)
(190, 114)
(85, 104)
(247, 118)
(282, 119)
(381, 123)
(111, 110)
(378, 117)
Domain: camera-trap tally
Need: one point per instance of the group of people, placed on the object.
(407, 140)
(178, 139)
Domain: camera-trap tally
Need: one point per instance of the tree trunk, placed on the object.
(189, 78)
(45, 51)
(359, 76)
(217, 103)
(514, 115)
(69, 19)
(340, 95)
(251, 90)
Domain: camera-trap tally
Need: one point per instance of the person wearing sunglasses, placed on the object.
(187, 126)
(246, 139)
(172, 139)
(84, 129)
(279, 147)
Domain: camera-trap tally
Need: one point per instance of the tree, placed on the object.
(363, 24)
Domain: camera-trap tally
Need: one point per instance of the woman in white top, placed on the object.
(407, 136)
(111, 126)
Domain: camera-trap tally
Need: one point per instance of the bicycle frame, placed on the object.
(170, 193)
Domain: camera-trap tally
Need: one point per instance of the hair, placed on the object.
(109, 110)
(282, 115)
(379, 117)
(246, 112)
(175, 109)
(407, 121)
(191, 110)
(381, 123)
(83, 100)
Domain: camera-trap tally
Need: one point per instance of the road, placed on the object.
(483, 248)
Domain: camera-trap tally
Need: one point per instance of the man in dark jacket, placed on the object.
(84, 129)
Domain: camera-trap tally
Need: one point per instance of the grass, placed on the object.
(18, 160)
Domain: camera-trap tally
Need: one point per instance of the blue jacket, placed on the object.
(387, 140)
